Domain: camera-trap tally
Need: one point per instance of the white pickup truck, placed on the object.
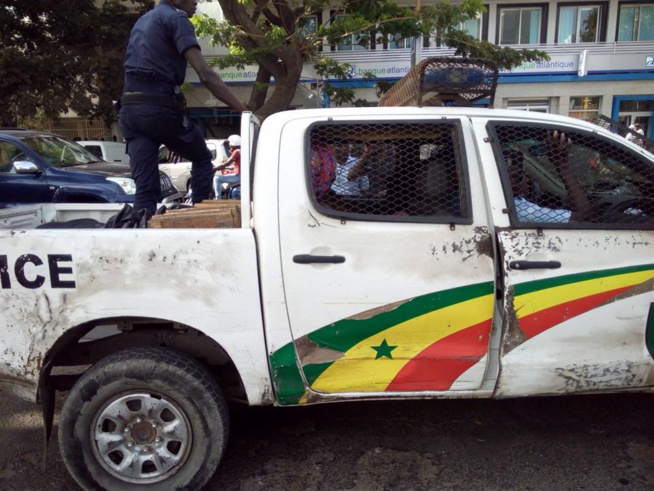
(383, 253)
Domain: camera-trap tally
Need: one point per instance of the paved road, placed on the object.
(575, 443)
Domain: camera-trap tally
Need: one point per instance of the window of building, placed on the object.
(584, 107)
(472, 27)
(390, 172)
(579, 24)
(308, 25)
(636, 22)
(589, 180)
(396, 41)
(353, 42)
(521, 25)
(535, 105)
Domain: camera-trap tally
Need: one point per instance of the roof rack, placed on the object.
(446, 81)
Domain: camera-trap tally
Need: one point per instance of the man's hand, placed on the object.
(558, 147)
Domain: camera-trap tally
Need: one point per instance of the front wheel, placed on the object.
(144, 418)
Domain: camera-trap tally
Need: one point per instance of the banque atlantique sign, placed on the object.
(395, 69)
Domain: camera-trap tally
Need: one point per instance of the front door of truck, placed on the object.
(386, 256)
(578, 258)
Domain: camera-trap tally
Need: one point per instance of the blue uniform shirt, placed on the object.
(155, 61)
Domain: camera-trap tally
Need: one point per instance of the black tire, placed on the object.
(116, 413)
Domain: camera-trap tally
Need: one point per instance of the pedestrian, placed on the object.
(636, 134)
(151, 113)
(235, 159)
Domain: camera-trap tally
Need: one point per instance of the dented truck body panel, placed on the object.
(111, 273)
(414, 309)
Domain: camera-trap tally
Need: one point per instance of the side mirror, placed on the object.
(26, 167)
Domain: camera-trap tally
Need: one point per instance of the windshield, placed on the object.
(59, 152)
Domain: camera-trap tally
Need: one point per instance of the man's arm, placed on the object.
(211, 80)
(359, 168)
(223, 164)
(558, 151)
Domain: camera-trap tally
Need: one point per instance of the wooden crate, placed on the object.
(208, 214)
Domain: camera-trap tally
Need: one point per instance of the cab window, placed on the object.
(391, 172)
(569, 178)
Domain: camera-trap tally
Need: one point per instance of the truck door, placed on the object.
(386, 256)
(577, 256)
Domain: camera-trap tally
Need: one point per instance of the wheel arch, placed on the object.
(83, 345)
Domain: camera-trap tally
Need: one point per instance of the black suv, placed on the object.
(38, 167)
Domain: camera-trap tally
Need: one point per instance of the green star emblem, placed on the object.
(384, 350)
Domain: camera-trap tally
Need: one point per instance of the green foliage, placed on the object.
(63, 55)
(276, 35)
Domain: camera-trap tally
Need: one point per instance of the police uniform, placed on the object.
(152, 105)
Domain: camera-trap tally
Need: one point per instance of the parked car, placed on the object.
(180, 171)
(37, 167)
(109, 151)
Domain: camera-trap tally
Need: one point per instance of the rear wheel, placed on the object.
(145, 418)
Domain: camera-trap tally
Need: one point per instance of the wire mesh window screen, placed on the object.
(560, 177)
(394, 171)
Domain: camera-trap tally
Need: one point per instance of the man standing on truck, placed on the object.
(152, 106)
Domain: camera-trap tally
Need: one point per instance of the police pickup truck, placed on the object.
(383, 253)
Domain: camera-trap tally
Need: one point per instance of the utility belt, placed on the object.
(176, 101)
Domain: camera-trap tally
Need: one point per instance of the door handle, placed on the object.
(520, 265)
(311, 259)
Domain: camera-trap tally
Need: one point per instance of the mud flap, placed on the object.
(46, 396)
(649, 331)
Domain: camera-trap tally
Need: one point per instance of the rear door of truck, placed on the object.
(577, 273)
(389, 276)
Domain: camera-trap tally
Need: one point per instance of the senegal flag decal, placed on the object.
(421, 344)
(426, 343)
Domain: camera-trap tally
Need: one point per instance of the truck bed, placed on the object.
(209, 214)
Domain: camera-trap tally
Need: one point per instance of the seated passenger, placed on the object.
(558, 147)
(343, 185)
(323, 168)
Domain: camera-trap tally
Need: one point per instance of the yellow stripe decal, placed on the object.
(532, 302)
(362, 369)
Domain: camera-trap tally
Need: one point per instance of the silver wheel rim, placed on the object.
(141, 437)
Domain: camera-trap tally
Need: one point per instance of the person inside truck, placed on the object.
(323, 167)
(234, 160)
(557, 147)
(377, 164)
(343, 185)
(151, 108)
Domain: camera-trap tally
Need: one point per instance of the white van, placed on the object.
(109, 151)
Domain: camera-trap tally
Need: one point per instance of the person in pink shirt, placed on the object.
(235, 159)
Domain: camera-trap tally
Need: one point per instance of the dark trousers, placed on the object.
(145, 127)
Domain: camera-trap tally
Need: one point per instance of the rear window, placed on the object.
(405, 171)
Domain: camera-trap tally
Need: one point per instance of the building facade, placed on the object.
(602, 62)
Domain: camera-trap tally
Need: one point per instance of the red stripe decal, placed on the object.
(440, 364)
(536, 323)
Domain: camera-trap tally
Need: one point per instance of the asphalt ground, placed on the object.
(564, 443)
